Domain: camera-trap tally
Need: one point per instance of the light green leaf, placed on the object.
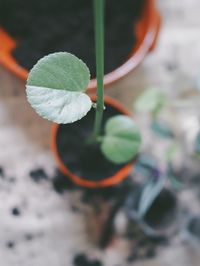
(58, 106)
(62, 71)
(122, 139)
(55, 88)
(152, 100)
(171, 151)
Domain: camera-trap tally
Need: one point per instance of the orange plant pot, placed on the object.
(110, 181)
(146, 31)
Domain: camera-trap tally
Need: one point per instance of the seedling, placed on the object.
(56, 89)
(151, 101)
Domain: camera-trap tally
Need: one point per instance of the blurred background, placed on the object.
(41, 223)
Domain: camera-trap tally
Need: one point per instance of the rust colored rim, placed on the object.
(146, 31)
(109, 181)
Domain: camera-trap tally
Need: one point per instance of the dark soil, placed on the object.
(43, 27)
(16, 211)
(162, 211)
(2, 174)
(61, 183)
(144, 247)
(81, 259)
(84, 160)
(38, 174)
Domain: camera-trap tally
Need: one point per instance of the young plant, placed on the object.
(152, 101)
(56, 89)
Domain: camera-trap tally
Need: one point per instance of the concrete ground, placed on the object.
(56, 233)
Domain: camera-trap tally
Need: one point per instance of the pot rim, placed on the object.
(109, 181)
(146, 40)
(145, 43)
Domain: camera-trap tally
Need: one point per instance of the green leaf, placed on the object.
(62, 71)
(171, 151)
(152, 100)
(122, 139)
(55, 88)
(59, 106)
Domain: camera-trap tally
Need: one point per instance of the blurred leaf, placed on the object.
(122, 139)
(171, 151)
(146, 165)
(162, 130)
(149, 193)
(177, 184)
(55, 88)
(152, 100)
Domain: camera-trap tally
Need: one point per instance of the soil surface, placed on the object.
(43, 27)
(84, 160)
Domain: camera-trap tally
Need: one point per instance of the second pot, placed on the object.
(83, 165)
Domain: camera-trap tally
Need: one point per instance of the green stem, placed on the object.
(99, 45)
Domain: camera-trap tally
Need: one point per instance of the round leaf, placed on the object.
(122, 139)
(55, 88)
(58, 106)
(62, 71)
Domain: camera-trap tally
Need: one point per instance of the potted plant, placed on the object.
(94, 148)
(132, 30)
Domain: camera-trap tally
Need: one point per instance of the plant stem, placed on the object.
(99, 47)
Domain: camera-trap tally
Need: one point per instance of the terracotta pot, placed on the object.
(112, 180)
(146, 31)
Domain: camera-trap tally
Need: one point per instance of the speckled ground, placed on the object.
(37, 225)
